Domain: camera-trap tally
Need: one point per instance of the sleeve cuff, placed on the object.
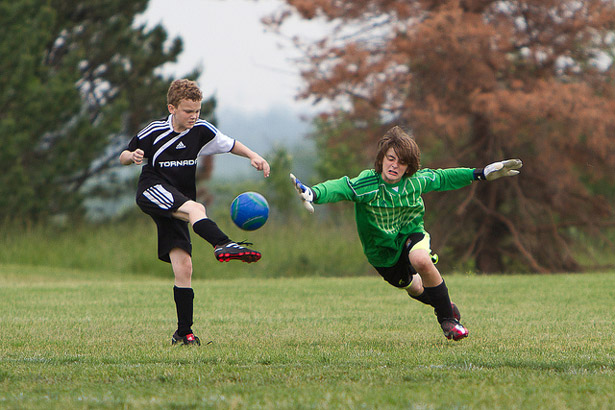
(479, 174)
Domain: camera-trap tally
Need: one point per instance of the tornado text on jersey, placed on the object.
(170, 164)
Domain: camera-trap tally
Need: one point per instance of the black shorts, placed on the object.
(160, 201)
(400, 274)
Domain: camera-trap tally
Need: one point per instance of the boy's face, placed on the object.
(392, 168)
(185, 114)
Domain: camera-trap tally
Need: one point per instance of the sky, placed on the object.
(243, 63)
(249, 69)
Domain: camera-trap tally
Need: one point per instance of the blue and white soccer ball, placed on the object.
(249, 211)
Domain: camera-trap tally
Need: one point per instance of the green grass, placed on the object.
(87, 339)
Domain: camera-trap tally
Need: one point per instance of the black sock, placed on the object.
(441, 301)
(423, 298)
(184, 298)
(208, 230)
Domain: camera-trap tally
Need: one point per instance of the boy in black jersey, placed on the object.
(167, 191)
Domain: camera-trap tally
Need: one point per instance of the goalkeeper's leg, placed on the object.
(417, 291)
(437, 293)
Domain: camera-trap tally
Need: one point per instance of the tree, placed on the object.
(78, 79)
(477, 81)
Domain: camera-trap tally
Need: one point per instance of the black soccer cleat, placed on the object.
(189, 339)
(454, 330)
(235, 251)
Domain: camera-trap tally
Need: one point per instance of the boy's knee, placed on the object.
(193, 206)
(181, 262)
(421, 261)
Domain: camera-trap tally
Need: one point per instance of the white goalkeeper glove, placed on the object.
(507, 168)
(306, 194)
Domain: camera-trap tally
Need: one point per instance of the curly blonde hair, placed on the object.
(183, 89)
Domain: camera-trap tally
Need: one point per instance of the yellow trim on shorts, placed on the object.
(424, 243)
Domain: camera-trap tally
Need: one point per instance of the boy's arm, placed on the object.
(131, 157)
(334, 190)
(455, 178)
(256, 160)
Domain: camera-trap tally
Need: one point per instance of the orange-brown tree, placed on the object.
(478, 81)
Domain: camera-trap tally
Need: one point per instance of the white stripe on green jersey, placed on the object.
(385, 213)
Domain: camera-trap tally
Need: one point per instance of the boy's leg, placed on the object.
(195, 213)
(165, 201)
(224, 248)
(417, 292)
(183, 295)
(436, 290)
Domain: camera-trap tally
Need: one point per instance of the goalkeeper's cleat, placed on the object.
(454, 330)
(189, 339)
(235, 251)
(456, 312)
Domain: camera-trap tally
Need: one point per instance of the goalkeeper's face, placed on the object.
(392, 167)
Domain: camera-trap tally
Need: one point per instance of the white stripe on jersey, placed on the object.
(158, 138)
(167, 145)
(207, 124)
(159, 196)
(153, 126)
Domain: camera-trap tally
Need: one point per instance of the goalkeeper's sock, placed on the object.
(441, 301)
(208, 230)
(184, 301)
(423, 298)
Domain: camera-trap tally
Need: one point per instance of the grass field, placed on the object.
(83, 339)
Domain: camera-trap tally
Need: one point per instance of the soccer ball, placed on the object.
(249, 211)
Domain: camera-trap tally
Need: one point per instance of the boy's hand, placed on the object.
(132, 157)
(306, 194)
(507, 168)
(260, 164)
(137, 156)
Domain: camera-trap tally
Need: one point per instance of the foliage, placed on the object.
(296, 247)
(342, 147)
(77, 339)
(478, 81)
(280, 194)
(77, 80)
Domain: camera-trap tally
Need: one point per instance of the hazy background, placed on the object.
(251, 72)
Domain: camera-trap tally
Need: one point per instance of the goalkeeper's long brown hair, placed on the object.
(405, 147)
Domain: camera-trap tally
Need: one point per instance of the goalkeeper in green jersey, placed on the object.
(389, 216)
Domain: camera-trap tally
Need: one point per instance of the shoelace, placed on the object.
(244, 243)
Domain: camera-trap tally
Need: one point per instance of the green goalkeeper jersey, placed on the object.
(385, 213)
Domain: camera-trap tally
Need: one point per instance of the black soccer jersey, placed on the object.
(172, 157)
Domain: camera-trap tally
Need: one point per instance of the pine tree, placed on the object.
(78, 79)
